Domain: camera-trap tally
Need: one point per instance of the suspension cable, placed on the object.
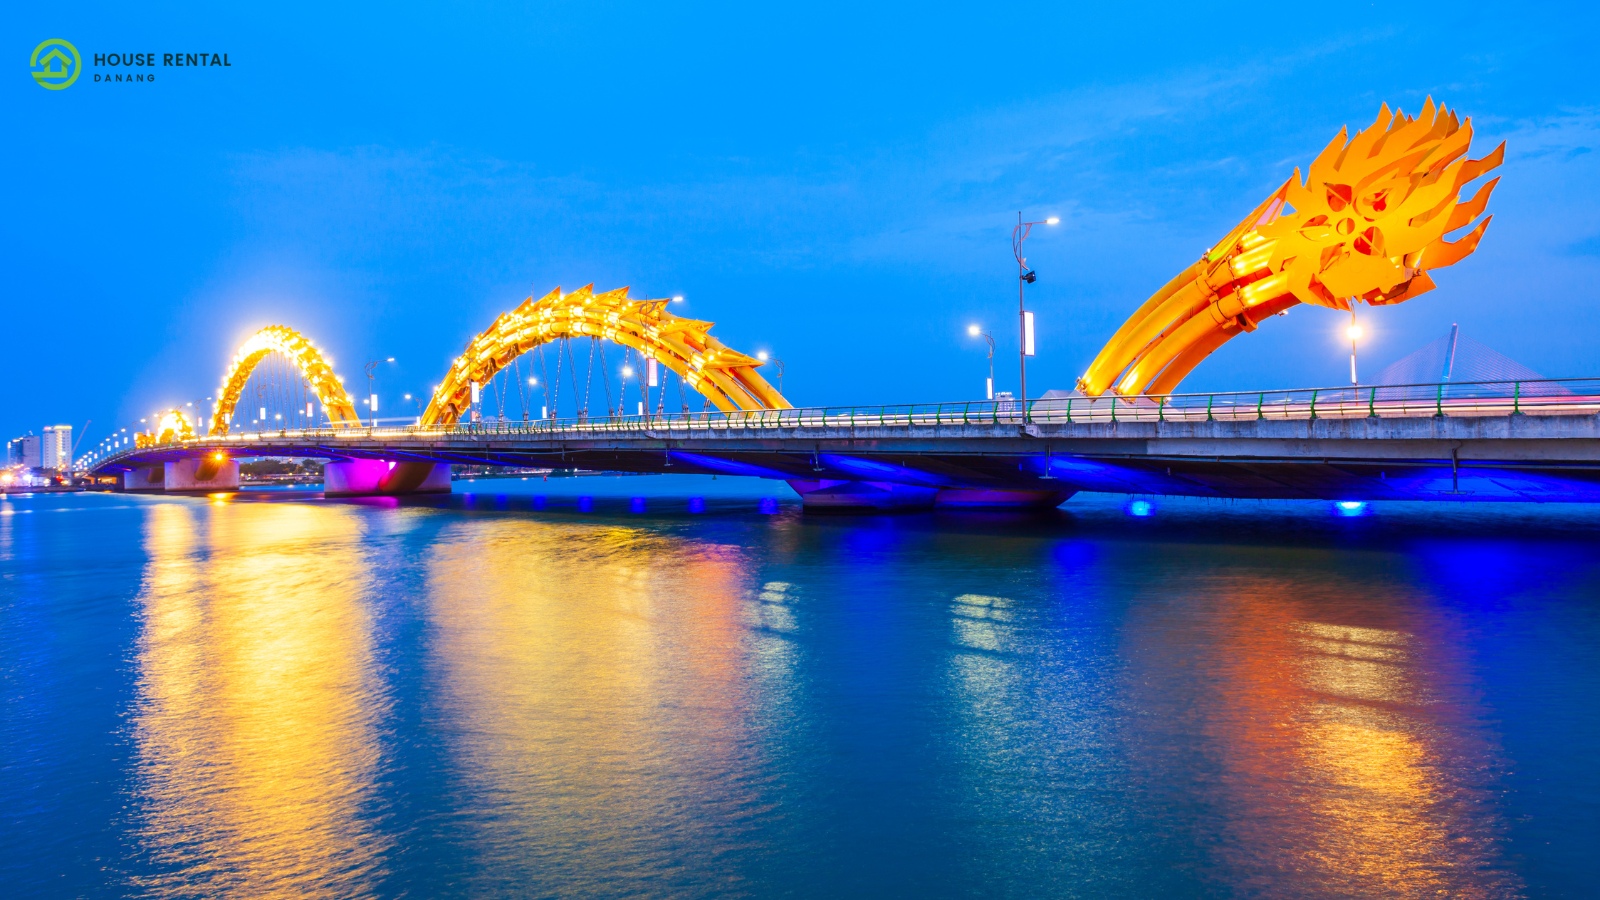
(572, 371)
(605, 376)
(544, 372)
(516, 369)
(588, 380)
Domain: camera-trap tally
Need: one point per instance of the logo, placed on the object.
(55, 64)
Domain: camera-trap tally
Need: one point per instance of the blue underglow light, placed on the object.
(1140, 508)
(871, 468)
(726, 466)
(1350, 507)
(585, 504)
(768, 506)
(636, 505)
(697, 504)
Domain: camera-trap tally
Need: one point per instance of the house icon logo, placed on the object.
(55, 64)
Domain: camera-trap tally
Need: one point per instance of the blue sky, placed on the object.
(834, 183)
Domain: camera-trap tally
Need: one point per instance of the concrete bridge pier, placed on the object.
(203, 475)
(384, 478)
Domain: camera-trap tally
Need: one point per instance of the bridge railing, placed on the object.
(1572, 396)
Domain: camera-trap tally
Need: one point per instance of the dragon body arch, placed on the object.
(314, 367)
(724, 376)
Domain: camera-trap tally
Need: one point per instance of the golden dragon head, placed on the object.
(1370, 216)
(1366, 223)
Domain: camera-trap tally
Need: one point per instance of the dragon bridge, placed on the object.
(1366, 224)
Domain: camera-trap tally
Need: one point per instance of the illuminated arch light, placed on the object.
(724, 376)
(313, 366)
(1367, 223)
(172, 426)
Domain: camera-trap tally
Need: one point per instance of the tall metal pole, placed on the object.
(1024, 275)
(1354, 332)
(989, 388)
(976, 331)
(1017, 237)
(372, 393)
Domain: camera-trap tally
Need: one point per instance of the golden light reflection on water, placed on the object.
(1337, 750)
(597, 679)
(255, 721)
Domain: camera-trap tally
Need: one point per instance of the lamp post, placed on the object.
(988, 388)
(372, 394)
(764, 356)
(1354, 333)
(1025, 277)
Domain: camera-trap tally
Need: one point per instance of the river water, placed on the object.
(685, 687)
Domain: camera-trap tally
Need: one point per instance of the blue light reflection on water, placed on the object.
(442, 696)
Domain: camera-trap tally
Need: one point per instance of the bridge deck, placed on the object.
(1339, 445)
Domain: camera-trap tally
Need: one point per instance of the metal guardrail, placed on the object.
(1568, 396)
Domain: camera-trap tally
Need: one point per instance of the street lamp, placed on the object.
(764, 356)
(372, 395)
(1354, 333)
(622, 402)
(988, 388)
(1025, 277)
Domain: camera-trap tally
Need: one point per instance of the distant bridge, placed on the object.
(1537, 440)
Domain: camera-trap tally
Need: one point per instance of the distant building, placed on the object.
(25, 451)
(56, 452)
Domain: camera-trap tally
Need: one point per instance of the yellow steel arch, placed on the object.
(726, 377)
(1367, 223)
(313, 366)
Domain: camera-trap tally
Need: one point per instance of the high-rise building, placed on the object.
(24, 451)
(56, 452)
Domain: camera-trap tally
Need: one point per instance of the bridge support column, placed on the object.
(988, 498)
(145, 479)
(204, 475)
(384, 478)
(828, 494)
